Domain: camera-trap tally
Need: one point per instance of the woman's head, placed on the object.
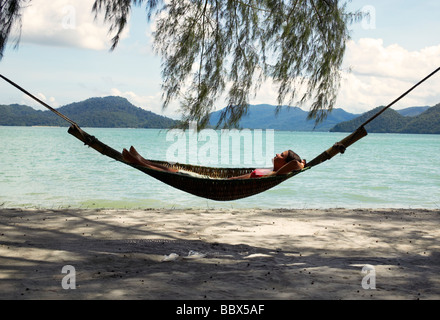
(292, 156)
(285, 157)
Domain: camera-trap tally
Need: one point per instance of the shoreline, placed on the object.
(265, 254)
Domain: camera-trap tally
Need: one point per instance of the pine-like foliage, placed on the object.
(10, 17)
(212, 49)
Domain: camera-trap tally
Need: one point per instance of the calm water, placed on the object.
(47, 167)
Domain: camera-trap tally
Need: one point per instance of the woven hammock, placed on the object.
(216, 186)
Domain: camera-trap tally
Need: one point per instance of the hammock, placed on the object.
(220, 188)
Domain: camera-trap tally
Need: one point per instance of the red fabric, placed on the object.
(258, 173)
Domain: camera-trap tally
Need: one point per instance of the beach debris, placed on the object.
(170, 257)
(191, 255)
(194, 255)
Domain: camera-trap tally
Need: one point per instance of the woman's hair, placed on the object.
(292, 156)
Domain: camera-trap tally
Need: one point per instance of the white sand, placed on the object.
(237, 254)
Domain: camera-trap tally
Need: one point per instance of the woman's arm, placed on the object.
(291, 166)
(245, 176)
(134, 158)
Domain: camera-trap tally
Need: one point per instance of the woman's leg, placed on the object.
(134, 157)
(136, 154)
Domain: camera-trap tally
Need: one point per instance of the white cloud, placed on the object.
(151, 103)
(28, 101)
(65, 23)
(380, 74)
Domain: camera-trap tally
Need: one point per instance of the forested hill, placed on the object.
(107, 112)
(392, 121)
(264, 116)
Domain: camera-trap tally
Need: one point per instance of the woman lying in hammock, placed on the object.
(283, 163)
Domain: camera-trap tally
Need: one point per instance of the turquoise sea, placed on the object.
(48, 168)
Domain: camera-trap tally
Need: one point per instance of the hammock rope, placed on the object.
(403, 95)
(217, 186)
(39, 101)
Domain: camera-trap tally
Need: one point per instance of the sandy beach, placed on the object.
(208, 254)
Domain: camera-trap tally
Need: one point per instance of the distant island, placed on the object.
(107, 112)
(264, 116)
(118, 112)
(391, 121)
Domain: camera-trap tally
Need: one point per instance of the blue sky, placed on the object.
(64, 57)
(411, 24)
